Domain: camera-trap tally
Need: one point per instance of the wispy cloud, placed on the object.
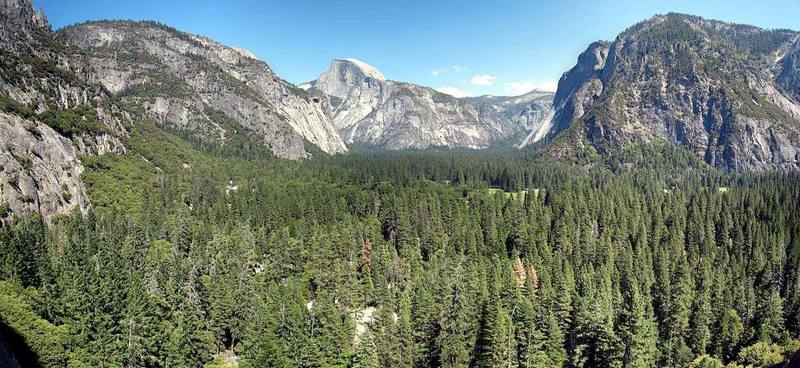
(482, 80)
(455, 68)
(453, 91)
(518, 88)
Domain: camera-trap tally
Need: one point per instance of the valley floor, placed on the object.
(456, 262)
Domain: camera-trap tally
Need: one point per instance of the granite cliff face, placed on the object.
(369, 110)
(49, 116)
(727, 92)
(41, 171)
(183, 80)
(79, 91)
(19, 16)
(533, 112)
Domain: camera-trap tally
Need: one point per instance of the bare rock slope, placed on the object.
(184, 81)
(49, 116)
(369, 110)
(727, 92)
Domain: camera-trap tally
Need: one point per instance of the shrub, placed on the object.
(11, 106)
(25, 162)
(71, 122)
(761, 354)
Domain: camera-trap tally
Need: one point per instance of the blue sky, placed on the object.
(476, 47)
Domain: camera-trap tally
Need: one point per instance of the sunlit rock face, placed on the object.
(727, 92)
(40, 168)
(369, 110)
(180, 79)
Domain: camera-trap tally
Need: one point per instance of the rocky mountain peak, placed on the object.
(591, 61)
(17, 15)
(366, 69)
(369, 110)
(344, 74)
(722, 90)
(745, 40)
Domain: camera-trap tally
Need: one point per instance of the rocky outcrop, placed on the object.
(369, 110)
(182, 80)
(20, 17)
(579, 87)
(41, 89)
(726, 92)
(531, 112)
(39, 169)
(788, 69)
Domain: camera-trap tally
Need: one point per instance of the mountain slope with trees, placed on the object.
(272, 261)
(198, 85)
(725, 91)
(198, 252)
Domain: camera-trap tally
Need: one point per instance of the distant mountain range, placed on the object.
(728, 93)
(369, 110)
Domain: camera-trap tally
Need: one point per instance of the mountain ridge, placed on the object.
(707, 85)
(229, 80)
(370, 110)
(728, 93)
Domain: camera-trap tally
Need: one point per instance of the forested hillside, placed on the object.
(199, 255)
(148, 217)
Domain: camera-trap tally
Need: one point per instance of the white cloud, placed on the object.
(519, 88)
(482, 80)
(445, 70)
(453, 91)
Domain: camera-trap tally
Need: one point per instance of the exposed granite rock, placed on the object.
(39, 169)
(180, 79)
(369, 110)
(727, 92)
(788, 69)
(532, 113)
(579, 87)
(19, 16)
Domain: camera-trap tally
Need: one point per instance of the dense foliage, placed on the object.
(71, 122)
(195, 257)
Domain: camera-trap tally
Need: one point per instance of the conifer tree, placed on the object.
(452, 340)
(366, 354)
